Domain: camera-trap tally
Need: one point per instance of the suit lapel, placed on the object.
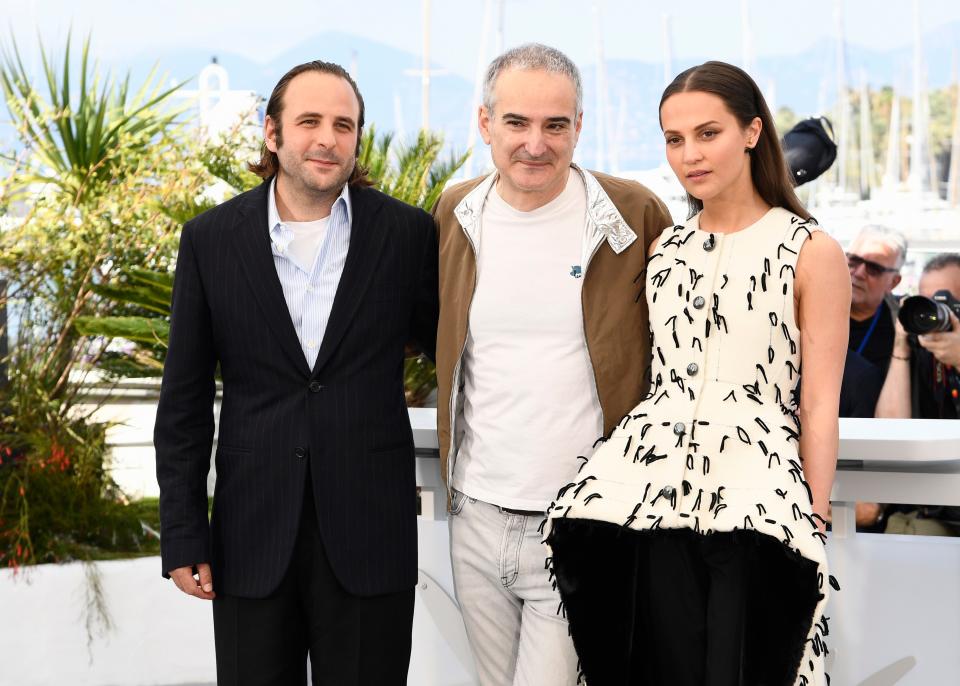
(253, 246)
(366, 244)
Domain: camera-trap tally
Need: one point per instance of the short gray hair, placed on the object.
(889, 237)
(532, 56)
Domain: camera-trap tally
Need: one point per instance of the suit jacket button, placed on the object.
(300, 452)
(315, 386)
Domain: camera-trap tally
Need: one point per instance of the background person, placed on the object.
(924, 383)
(875, 257)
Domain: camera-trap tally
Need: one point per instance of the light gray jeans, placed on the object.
(508, 604)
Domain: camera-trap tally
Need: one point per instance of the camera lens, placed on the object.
(920, 315)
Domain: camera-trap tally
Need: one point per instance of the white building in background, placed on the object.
(223, 115)
(221, 111)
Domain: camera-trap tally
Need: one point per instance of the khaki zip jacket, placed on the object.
(623, 218)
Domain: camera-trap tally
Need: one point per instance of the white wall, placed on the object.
(161, 636)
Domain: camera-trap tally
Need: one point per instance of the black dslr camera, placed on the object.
(920, 315)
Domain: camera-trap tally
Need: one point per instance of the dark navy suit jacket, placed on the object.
(341, 426)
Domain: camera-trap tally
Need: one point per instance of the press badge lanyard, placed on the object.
(873, 325)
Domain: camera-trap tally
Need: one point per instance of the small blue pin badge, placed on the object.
(575, 271)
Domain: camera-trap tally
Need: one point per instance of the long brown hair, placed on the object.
(743, 99)
(269, 163)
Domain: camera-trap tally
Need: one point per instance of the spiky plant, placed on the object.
(83, 130)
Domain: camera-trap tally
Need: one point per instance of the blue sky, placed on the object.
(632, 29)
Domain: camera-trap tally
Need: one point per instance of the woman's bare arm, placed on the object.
(823, 295)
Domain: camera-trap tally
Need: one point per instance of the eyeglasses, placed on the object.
(872, 268)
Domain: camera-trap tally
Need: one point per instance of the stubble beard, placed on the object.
(319, 188)
(303, 180)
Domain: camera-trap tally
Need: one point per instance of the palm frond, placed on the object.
(149, 330)
(79, 131)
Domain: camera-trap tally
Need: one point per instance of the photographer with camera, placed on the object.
(924, 377)
(923, 381)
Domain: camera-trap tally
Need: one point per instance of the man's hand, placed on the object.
(189, 583)
(901, 342)
(945, 345)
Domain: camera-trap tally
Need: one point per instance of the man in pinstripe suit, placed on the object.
(304, 292)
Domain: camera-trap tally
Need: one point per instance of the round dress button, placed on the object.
(679, 428)
(692, 369)
(710, 243)
(699, 302)
(668, 491)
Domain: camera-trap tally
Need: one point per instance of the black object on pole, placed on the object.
(809, 149)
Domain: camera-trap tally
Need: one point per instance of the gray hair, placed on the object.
(889, 237)
(532, 56)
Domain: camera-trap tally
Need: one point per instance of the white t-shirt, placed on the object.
(307, 239)
(530, 399)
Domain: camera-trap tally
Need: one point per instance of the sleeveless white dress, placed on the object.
(713, 447)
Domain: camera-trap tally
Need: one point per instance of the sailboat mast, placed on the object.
(843, 110)
(891, 167)
(953, 179)
(866, 139)
(918, 179)
(601, 94)
(667, 50)
(425, 74)
(746, 38)
(478, 78)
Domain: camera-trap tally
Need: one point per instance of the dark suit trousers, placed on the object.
(351, 640)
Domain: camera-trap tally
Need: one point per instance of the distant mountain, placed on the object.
(381, 71)
(392, 94)
(804, 82)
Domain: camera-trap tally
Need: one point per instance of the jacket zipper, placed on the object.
(455, 388)
(583, 321)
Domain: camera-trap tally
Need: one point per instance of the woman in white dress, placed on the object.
(689, 550)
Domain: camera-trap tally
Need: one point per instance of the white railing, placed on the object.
(895, 621)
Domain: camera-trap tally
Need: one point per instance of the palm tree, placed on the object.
(76, 139)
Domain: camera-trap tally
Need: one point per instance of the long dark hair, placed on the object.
(269, 164)
(743, 99)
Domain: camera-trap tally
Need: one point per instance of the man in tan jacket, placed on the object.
(543, 345)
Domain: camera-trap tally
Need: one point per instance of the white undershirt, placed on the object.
(307, 239)
(530, 401)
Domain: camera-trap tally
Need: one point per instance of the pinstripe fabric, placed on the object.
(309, 294)
(346, 416)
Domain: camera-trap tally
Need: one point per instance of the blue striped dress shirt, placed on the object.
(309, 294)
